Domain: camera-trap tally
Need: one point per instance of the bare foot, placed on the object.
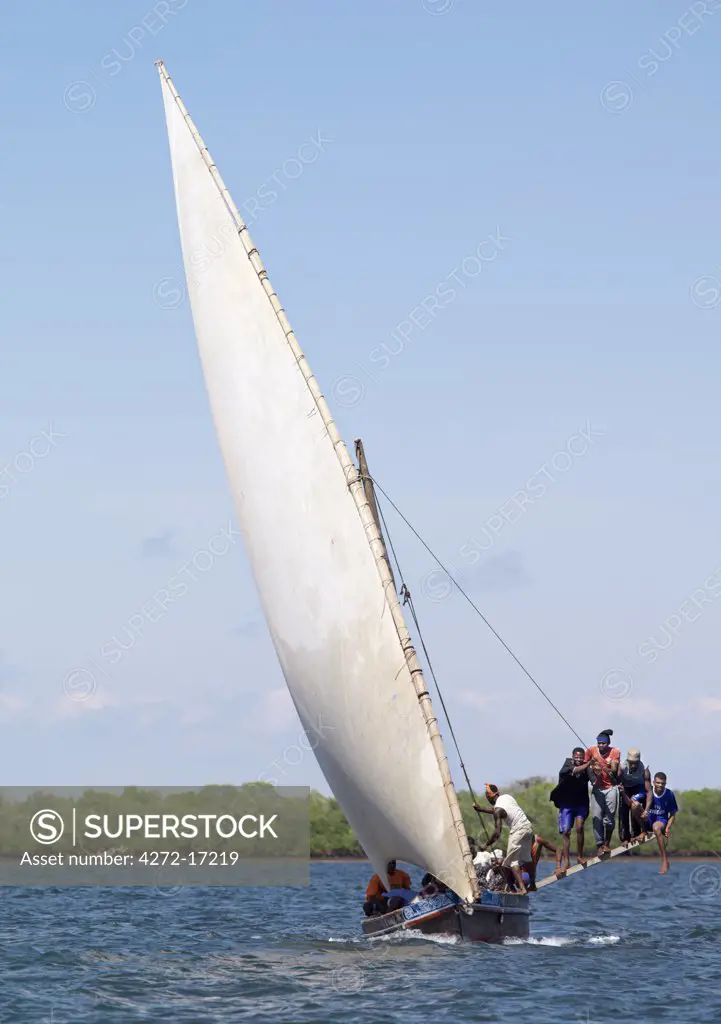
(582, 861)
(604, 851)
(560, 872)
(663, 869)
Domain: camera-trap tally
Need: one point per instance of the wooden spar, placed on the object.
(370, 494)
(593, 861)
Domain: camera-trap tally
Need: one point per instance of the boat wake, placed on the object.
(564, 940)
(413, 935)
(440, 940)
(395, 939)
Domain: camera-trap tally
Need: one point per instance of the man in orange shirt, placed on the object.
(603, 761)
(377, 896)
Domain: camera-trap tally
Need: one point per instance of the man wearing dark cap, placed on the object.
(601, 762)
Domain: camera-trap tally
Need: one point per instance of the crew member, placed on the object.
(602, 763)
(635, 780)
(571, 798)
(379, 900)
(505, 809)
(538, 845)
(660, 815)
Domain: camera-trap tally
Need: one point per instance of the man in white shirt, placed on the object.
(505, 809)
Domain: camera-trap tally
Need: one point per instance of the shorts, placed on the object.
(654, 819)
(568, 815)
(519, 849)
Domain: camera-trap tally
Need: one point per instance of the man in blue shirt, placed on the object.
(660, 814)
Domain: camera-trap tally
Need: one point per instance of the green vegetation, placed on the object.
(697, 830)
(112, 829)
(330, 833)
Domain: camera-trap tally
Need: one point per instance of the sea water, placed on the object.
(618, 943)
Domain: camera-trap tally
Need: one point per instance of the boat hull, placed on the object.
(494, 918)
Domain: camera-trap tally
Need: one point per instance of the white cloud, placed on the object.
(473, 699)
(643, 709)
(66, 707)
(11, 707)
(709, 703)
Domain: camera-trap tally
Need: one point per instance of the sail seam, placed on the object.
(353, 481)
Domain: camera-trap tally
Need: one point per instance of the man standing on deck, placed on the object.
(602, 763)
(504, 808)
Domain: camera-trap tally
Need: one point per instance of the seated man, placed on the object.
(499, 877)
(482, 862)
(376, 902)
(379, 900)
(430, 885)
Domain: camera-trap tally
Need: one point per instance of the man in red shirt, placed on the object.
(602, 761)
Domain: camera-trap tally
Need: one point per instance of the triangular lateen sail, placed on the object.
(335, 630)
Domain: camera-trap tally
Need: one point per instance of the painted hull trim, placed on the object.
(495, 917)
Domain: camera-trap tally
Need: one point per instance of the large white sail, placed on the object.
(338, 631)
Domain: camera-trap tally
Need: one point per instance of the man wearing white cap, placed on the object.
(634, 781)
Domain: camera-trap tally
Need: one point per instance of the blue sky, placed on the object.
(585, 139)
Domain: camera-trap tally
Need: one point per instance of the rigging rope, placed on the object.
(407, 599)
(482, 616)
